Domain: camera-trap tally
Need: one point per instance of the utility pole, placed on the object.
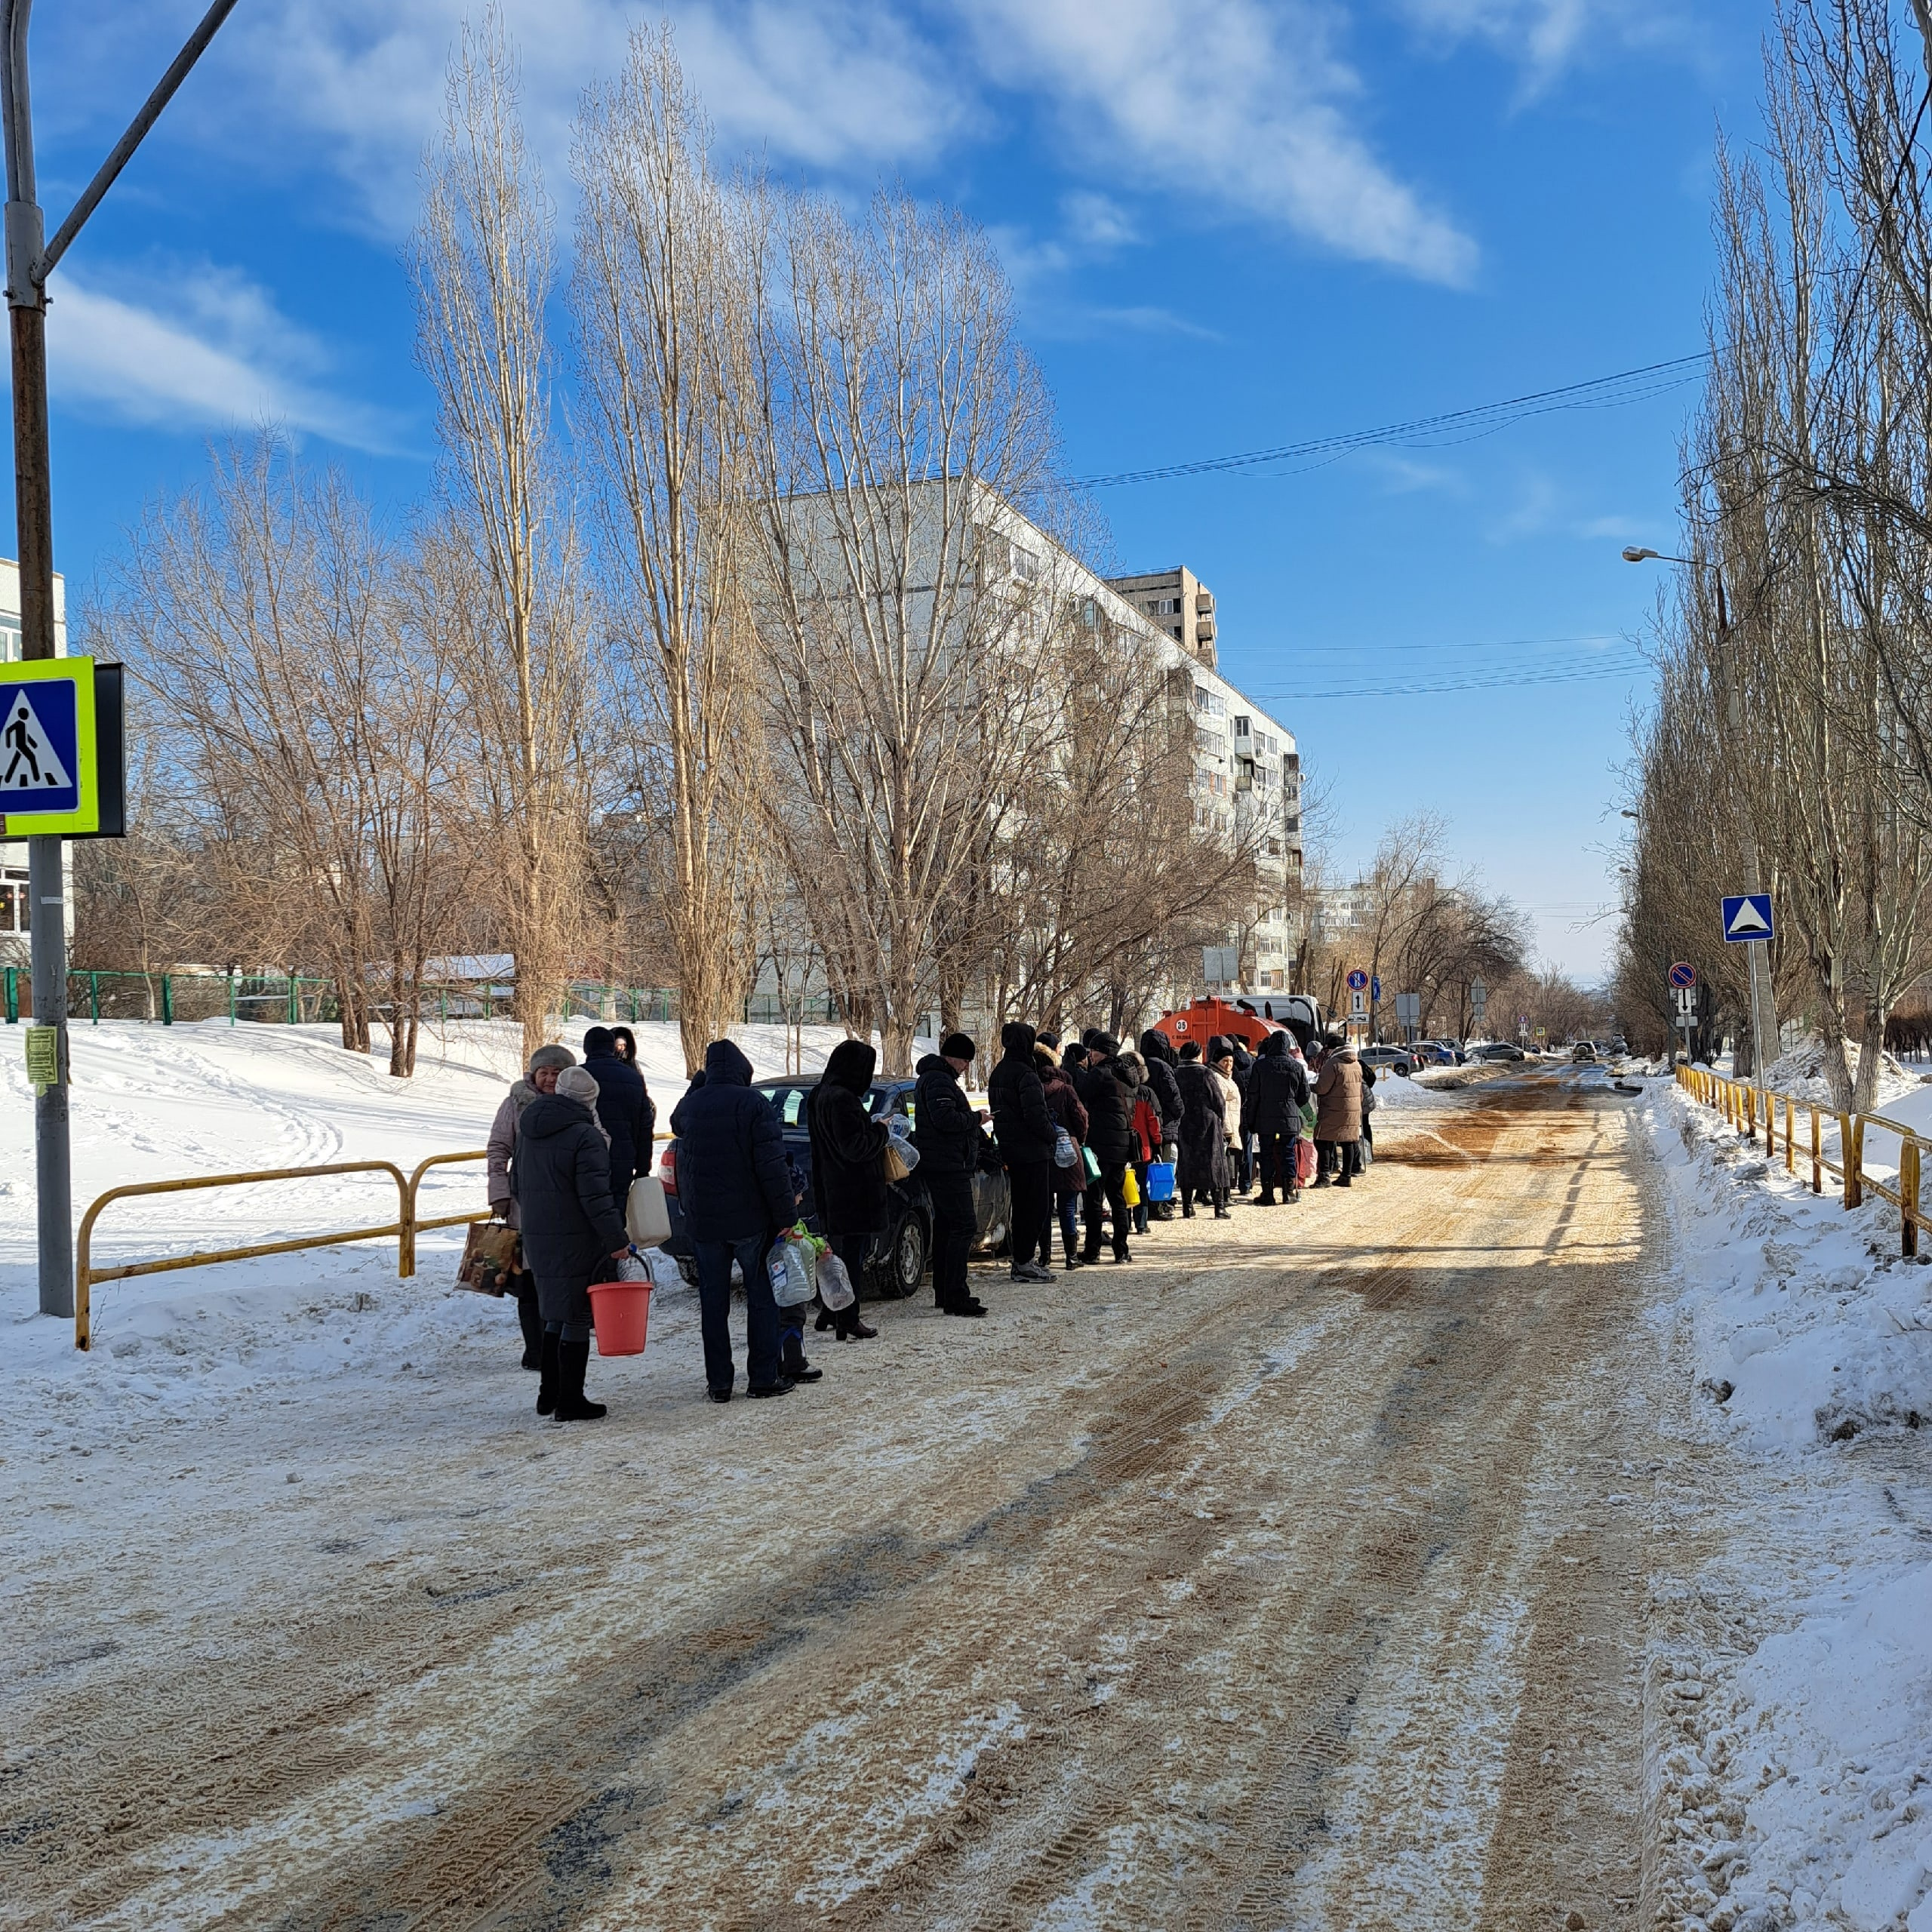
(30, 259)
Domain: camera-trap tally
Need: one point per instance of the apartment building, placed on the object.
(1178, 604)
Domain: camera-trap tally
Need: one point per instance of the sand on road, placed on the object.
(1292, 1575)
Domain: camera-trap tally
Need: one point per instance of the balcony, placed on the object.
(1204, 629)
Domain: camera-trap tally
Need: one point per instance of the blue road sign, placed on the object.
(1683, 974)
(1747, 917)
(1358, 980)
(1375, 989)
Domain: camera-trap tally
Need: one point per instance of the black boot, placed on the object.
(573, 1358)
(796, 1368)
(1073, 1260)
(851, 1328)
(546, 1362)
(967, 1304)
(1266, 1198)
(531, 1322)
(824, 1321)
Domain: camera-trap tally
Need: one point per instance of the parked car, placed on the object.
(1583, 1049)
(1401, 1058)
(1494, 1049)
(897, 1262)
(1436, 1053)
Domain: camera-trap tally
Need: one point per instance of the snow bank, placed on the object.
(1801, 1073)
(1796, 1773)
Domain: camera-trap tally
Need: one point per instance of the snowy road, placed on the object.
(1295, 1575)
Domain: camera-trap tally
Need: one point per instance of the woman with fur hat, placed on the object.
(560, 1178)
(546, 1063)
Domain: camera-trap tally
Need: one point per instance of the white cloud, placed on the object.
(833, 87)
(202, 348)
(1545, 37)
(1225, 100)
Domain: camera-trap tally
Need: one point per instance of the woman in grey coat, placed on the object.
(572, 1231)
(546, 1063)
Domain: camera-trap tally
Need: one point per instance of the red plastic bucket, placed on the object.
(622, 1313)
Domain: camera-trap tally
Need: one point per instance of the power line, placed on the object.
(1630, 667)
(1627, 386)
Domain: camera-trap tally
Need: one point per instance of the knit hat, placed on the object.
(598, 1040)
(576, 1083)
(957, 1046)
(557, 1057)
(1048, 1037)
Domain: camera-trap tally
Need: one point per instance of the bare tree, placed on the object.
(900, 607)
(482, 260)
(663, 312)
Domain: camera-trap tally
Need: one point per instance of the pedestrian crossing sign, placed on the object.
(49, 778)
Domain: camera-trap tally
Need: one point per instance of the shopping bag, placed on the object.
(898, 1160)
(1309, 1117)
(1066, 1150)
(1160, 1180)
(1304, 1162)
(1364, 1153)
(647, 1217)
(835, 1283)
(491, 1253)
(1091, 1162)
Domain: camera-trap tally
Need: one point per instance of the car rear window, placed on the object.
(789, 1096)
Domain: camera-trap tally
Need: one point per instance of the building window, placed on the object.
(1025, 564)
(1090, 613)
(14, 916)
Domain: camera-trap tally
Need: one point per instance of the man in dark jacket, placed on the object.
(1025, 1131)
(623, 1110)
(949, 1139)
(736, 1193)
(560, 1177)
(1103, 1092)
(849, 1169)
(1277, 1092)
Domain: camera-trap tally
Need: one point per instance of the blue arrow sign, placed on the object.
(1375, 989)
(1747, 917)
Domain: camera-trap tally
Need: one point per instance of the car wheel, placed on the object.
(904, 1267)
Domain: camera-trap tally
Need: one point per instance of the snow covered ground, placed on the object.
(167, 1102)
(1793, 1736)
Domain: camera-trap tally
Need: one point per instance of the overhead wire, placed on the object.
(1443, 430)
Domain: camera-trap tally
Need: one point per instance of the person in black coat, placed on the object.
(947, 1134)
(623, 1110)
(1157, 1049)
(1106, 1095)
(1025, 1131)
(1204, 1172)
(736, 1194)
(1277, 1092)
(560, 1177)
(848, 1175)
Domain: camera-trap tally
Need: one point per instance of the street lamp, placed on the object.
(1764, 1009)
(30, 259)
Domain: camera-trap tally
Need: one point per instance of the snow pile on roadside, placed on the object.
(1793, 1713)
(1801, 1073)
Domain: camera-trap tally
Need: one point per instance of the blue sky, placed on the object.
(1233, 225)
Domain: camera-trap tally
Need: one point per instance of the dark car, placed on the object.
(1498, 1050)
(1434, 1053)
(898, 1260)
(1400, 1058)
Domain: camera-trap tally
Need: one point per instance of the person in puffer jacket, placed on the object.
(947, 1134)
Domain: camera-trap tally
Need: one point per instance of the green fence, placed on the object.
(303, 999)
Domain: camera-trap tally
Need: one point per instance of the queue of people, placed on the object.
(1083, 1127)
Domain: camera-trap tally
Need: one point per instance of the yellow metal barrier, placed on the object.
(412, 1224)
(86, 1274)
(405, 1227)
(1738, 1102)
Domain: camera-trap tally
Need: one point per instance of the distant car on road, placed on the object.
(898, 1258)
(1583, 1049)
(1401, 1058)
(1495, 1049)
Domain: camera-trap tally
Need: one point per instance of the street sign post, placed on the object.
(1358, 1003)
(1408, 1012)
(1747, 922)
(1375, 990)
(1358, 980)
